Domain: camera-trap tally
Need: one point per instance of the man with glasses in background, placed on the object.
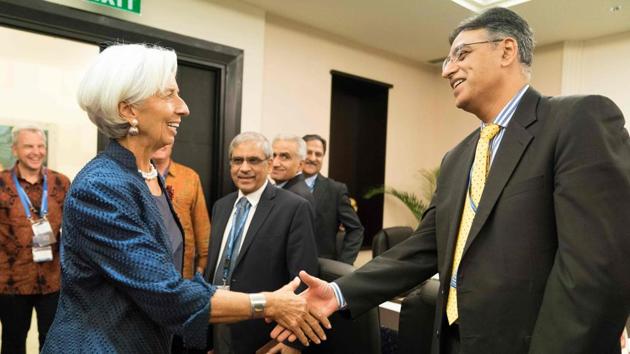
(262, 236)
(528, 228)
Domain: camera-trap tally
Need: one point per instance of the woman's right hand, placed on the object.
(291, 312)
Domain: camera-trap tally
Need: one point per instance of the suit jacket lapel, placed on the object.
(320, 187)
(295, 180)
(219, 223)
(513, 145)
(264, 207)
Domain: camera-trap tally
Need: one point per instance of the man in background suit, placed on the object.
(289, 152)
(532, 256)
(262, 246)
(332, 206)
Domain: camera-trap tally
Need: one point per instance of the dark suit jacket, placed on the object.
(299, 187)
(545, 267)
(279, 243)
(333, 208)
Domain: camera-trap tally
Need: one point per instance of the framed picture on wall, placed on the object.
(7, 160)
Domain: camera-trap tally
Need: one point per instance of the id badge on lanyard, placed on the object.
(42, 254)
(43, 236)
(42, 233)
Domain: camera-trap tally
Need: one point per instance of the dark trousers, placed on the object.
(179, 348)
(222, 339)
(15, 315)
(451, 339)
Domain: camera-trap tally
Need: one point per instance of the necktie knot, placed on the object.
(242, 203)
(489, 131)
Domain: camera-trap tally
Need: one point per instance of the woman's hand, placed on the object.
(291, 312)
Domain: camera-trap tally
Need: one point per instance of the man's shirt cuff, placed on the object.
(340, 299)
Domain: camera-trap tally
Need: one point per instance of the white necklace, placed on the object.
(149, 175)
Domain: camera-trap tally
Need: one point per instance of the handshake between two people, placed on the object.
(302, 316)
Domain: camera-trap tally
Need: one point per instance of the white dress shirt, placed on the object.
(253, 198)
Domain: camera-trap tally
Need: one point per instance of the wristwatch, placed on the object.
(257, 302)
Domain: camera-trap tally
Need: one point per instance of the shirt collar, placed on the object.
(310, 181)
(253, 197)
(172, 169)
(19, 175)
(505, 116)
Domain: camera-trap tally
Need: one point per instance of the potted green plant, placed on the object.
(417, 204)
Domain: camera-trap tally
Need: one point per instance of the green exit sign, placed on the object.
(126, 5)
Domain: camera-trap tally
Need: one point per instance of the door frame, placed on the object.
(70, 23)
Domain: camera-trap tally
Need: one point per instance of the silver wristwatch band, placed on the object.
(257, 302)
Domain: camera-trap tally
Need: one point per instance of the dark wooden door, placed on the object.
(197, 135)
(358, 130)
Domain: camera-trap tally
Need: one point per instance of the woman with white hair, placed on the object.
(122, 289)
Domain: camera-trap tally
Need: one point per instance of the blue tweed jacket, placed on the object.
(120, 292)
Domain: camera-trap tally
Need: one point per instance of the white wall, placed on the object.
(39, 77)
(605, 69)
(547, 69)
(594, 66)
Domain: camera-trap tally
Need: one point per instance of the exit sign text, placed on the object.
(127, 5)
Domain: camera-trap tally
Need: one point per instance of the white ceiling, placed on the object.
(418, 29)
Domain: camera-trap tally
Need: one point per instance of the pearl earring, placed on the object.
(133, 129)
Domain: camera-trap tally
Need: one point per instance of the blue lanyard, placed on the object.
(26, 202)
(473, 206)
(235, 235)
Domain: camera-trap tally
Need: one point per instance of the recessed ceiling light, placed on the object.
(481, 5)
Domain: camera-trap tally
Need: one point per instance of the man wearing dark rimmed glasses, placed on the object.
(261, 237)
(528, 228)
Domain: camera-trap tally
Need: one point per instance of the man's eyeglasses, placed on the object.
(460, 52)
(252, 161)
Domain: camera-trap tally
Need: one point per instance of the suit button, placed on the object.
(232, 281)
(437, 333)
(442, 291)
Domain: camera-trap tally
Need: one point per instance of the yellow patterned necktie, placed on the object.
(477, 182)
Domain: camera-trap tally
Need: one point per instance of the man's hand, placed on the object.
(291, 312)
(321, 303)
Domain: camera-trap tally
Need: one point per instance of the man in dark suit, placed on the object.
(532, 256)
(262, 236)
(332, 207)
(289, 152)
